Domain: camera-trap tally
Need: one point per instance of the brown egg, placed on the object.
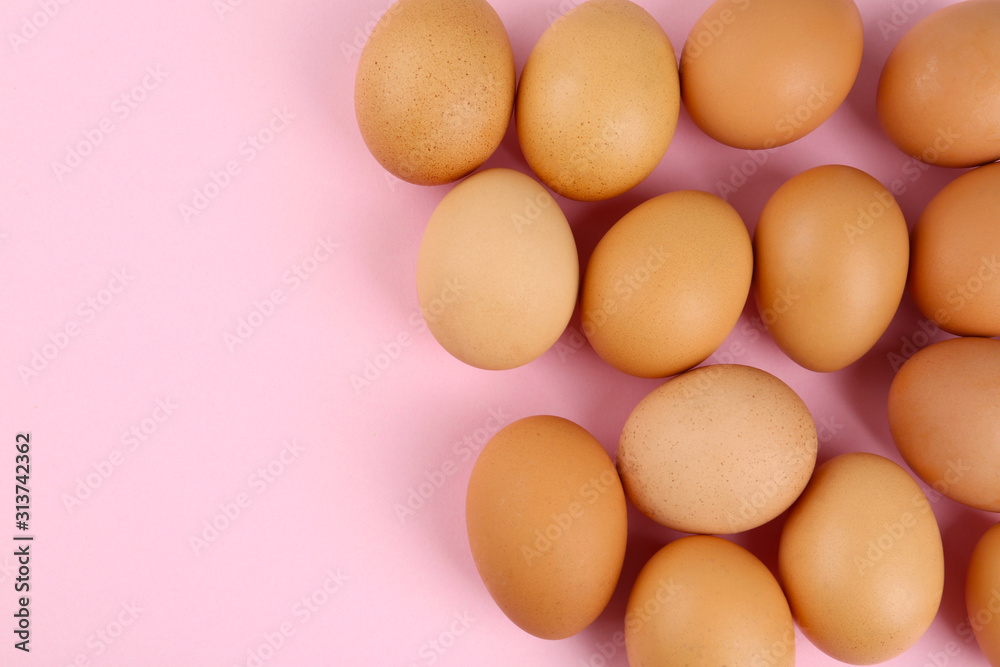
(861, 559)
(830, 253)
(982, 594)
(944, 412)
(939, 94)
(955, 274)
(497, 271)
(546, 518)
(702, 600)
(720, 449)
(763, 73)
(667, 283)
(598, 100)
(435, 88)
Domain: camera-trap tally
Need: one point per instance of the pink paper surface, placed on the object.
(184, 306)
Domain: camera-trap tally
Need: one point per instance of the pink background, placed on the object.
(114, 515)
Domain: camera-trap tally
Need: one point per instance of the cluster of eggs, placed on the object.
(722, 448)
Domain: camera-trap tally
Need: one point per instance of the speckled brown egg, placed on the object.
(547, 526)
(666, 284)
(435, 88)
(702, 600)
(861, 559)
(831, 251)
(497, 270)
(955, 272)
(944, 412)
(598, 100)
(982, 594)
(720, 449)
(939, 95)
(762, 73)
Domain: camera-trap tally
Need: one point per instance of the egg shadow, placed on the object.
(864, 386)
(750, 199)
(645, 538)
(959, 537)
(884, 26)
(763, 541)
(915, 182)
(867, 381)
(861, 99)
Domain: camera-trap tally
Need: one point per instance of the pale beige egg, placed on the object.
(719, 449)
(497, 270)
